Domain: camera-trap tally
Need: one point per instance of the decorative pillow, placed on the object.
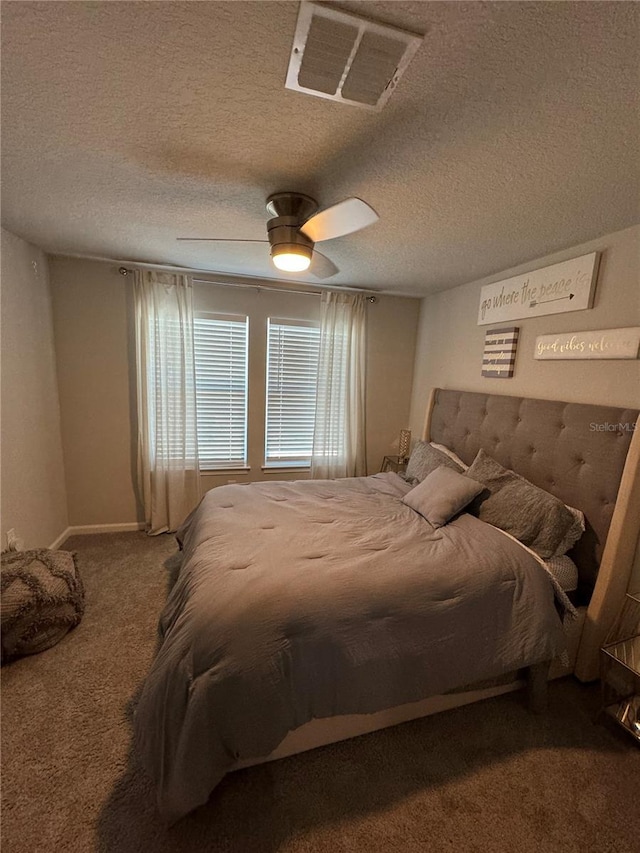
(441, 495)
(425, 459)
(444, 449)
(564, 571)
(538, 519)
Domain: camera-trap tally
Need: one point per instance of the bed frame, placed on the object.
(588, 456)
(561, 448)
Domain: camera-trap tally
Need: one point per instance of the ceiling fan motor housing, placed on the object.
(293, 204)
(285, 237)
(290, 210)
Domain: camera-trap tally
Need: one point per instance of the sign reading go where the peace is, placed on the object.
(568, 286)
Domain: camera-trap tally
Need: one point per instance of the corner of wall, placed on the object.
(34, 501)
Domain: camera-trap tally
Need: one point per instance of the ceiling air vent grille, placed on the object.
(326, 53)
(346, 58)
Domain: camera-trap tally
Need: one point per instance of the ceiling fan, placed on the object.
(297, 225)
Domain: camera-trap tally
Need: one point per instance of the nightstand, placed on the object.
(620, 669)
(394, 463)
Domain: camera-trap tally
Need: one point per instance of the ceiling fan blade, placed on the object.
(217, 240)
(321, 266)
(347, 216)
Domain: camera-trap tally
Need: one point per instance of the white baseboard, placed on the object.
(60, 539)
(81, 529)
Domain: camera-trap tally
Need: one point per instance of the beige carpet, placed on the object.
(488, 777)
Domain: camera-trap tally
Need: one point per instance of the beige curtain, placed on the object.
(339, 446)
(168, 472)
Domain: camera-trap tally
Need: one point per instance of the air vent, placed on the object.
(346, 58)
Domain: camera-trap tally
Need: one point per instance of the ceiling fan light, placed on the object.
(291, 258)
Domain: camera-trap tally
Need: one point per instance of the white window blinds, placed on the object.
(220, 348)
(169, 391)
(292, 377)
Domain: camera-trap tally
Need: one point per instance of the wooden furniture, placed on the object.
(620, 669)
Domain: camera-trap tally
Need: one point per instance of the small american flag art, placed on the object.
(499, 355)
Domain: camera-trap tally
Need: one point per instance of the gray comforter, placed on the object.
(307, 599)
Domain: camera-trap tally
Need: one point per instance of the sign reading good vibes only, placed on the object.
(568, 286)
(602, 343)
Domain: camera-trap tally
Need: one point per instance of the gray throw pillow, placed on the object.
(425, 459)
(533, 516)
(442, 494)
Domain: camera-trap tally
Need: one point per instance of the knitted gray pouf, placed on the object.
(42, 599)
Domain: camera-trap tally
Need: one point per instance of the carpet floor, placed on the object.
(487, 777)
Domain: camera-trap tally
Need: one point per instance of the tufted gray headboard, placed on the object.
(573, 450)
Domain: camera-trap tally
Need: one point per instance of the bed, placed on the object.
(303, 612)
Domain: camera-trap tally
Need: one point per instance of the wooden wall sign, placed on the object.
(602, 343)
(499, 357)
(568, 286)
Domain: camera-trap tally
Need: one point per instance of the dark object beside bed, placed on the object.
(42, 599)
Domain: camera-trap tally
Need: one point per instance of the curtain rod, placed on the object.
(372, 299)
(249, 285)
(258, 286)
(227, 278)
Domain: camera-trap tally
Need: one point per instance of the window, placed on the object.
(292, 377)
(169, 392)
(220, 347)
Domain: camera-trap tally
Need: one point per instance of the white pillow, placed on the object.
(443, 449)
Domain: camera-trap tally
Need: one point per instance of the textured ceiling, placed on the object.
(513, 133)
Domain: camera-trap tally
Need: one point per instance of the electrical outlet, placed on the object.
(14, 543)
